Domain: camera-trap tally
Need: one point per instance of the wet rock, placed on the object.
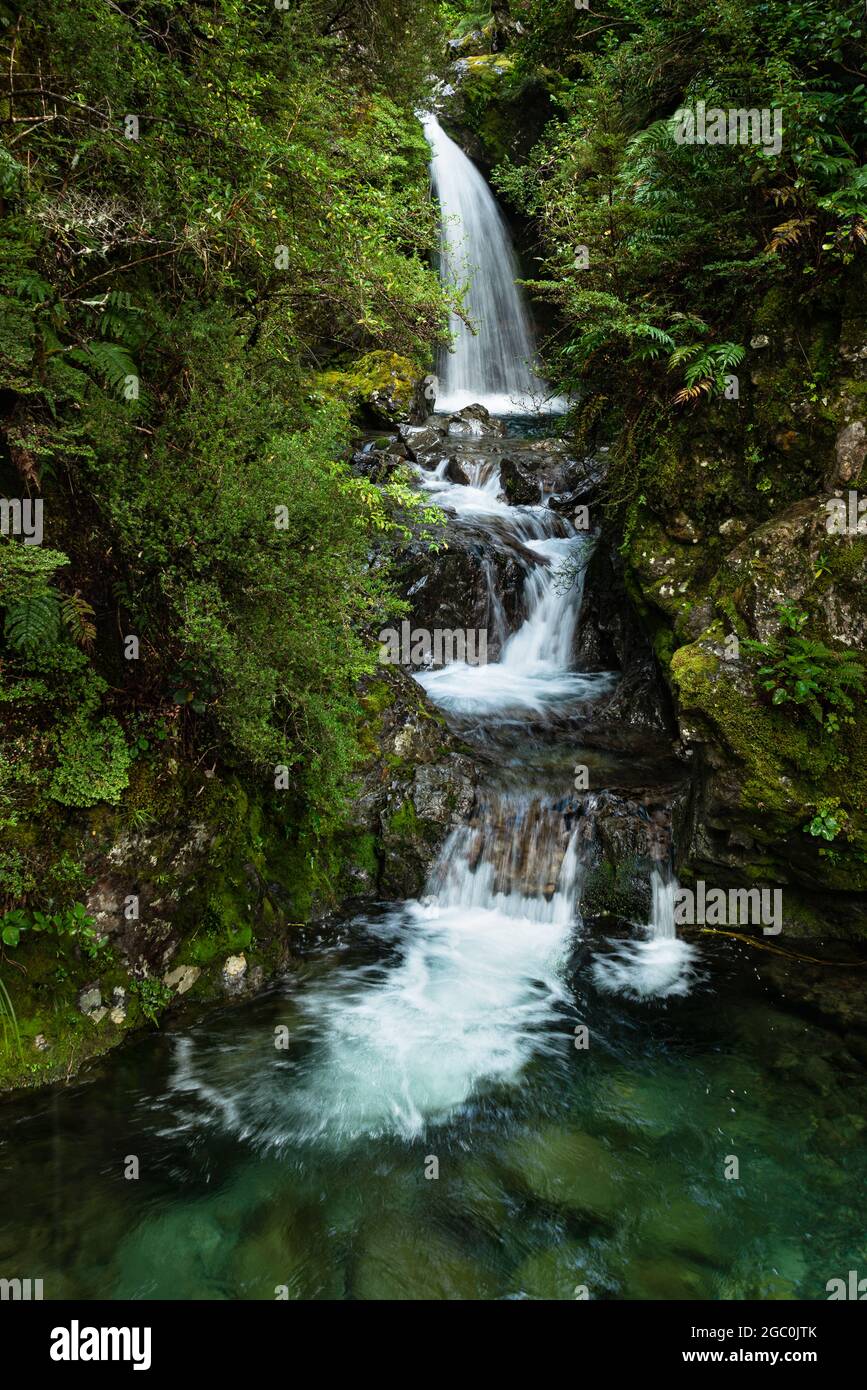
(851, 451)
(838, 996)
(419, 781)
(520, 488)
(233, 974)
(609, 637)
(422, 440)
(471, 585)
(376, 465)
(475, 421)
(393, 1264)
(442, 794)
(684, 1227)
(563, 1168)
(455, 473)
(556, 1273)
(41, 1043)
(575, 482)
(666, 1279)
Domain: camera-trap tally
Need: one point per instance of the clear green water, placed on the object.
(601, 1168)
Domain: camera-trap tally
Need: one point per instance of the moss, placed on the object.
(619, 890)
(405, 820)
(206, 946)
(786, 766)
(381, 385)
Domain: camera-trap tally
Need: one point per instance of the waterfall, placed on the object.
(471, 982)
(657, 966)
(534, 675)
(492, 366)
(663, 888)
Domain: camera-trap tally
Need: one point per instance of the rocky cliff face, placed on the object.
(729, 527)
(765, 773)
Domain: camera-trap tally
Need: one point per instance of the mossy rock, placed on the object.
(381, 387)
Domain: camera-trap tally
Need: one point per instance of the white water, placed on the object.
(493, 366)
(480, 978)
(533, 675)
(661, 964)
(478, 981)
(471, 982)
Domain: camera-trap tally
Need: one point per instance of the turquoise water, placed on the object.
(598, 1169)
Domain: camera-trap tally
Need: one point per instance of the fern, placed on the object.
(32, 623)
(119, 319)
(76, 614)
(11, 172)
(109, 360)
(706, 367)
(32, 287)
(789, 233)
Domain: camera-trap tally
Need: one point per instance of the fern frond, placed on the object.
(109, 360)
(76, 614)
(789, 233)
(32, 623)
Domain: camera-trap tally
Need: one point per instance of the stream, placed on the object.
(476, 1094)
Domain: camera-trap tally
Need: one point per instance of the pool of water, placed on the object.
(277, 1156)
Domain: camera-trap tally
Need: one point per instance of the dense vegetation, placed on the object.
(710, 324)
(168, 301)
(218, 238)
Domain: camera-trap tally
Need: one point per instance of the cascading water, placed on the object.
(285, 1142)
(480, 981)
(661, 964)
(534, 674)
(469, 983)
(494, 365)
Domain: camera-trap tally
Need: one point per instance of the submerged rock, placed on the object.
(563, 1168)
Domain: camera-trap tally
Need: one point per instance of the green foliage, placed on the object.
(829, 820)
(684, 241)
(808, 674)
(273, 222)
(152, 995)
(93, 761)
(32, 623)
(72, 922)
(9, 1022)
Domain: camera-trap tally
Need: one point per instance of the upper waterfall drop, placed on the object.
(494, 365)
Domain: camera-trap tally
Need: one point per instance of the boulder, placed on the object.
(520, 488)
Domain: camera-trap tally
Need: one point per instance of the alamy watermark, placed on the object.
(700, 125)
(77, 1343)
(739, 907)
(854, 1289)
(21, 517)
(846, 516)
(421, 647)
(18, 1289)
